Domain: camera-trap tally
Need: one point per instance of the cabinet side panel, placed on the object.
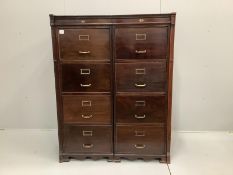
(170, 75)
(58, 87)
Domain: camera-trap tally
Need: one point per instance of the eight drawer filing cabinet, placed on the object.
(114, 85)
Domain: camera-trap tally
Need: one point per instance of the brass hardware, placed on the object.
(140, 51)
(140, 103)
(141, 20)
(84, 52)
(140, 36)
(87, 146)
(140, 133)
(86, 103)
(87, 133)
(85, 71)
(83, 37)
(87, 116)
(140, 146)
(85, 85)
(140, 71)
(140, 85)
(61, 32)
(140, 116)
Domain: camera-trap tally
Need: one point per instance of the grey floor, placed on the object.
(35, 152)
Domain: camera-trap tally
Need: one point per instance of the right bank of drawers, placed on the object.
(140, 83)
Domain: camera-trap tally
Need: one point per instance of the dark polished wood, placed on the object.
(87, 109)
(86, 77)
(113, 78)
(141, 77)
(146, 140)
(141, 42)
(140, 109)
(84, 44)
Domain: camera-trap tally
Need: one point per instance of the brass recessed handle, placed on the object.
(140, 146)
(141, 20)
(85, 85)
(140, 85)
(140, 51)
(84, 52)
(140, 116)
(87, 146)
(87, 116)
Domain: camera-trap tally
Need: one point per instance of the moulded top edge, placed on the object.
(115, 16)
(109, 19)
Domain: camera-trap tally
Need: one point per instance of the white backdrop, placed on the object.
(203, 69)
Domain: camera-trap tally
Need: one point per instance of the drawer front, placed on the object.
(146, 140)
(86, 77)
(87, 139)
(141, 43)
(84, 44)
(87, 109)
(141, 20)
(141, 77)
(140, 109)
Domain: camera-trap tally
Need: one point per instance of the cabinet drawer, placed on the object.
(87, 109)
(147, 140)
(87, 139)
(141, 43)
(141, 20)
(84, 44)
(140, 109)
(86, 77)
(141, 77)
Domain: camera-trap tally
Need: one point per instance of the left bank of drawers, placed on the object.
(85, 57)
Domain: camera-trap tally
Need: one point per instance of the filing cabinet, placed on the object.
(113, 77)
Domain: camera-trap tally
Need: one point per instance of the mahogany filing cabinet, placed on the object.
(113, 78)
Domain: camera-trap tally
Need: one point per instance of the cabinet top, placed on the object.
(168, 18)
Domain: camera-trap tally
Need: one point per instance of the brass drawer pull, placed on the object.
(140, 85)
(85, 85)
(140, 103)
(140, 51)
(87, 133)
(140, 146)
(87, 116)
(140, 116)
(87, 146)
(139, 133)
(84, 52)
